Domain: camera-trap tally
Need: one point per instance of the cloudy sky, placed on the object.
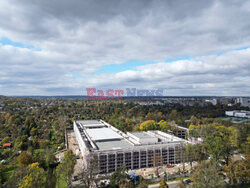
(62, 47)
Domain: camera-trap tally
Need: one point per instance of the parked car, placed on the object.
(187, 181)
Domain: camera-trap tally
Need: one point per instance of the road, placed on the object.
(73, 145)
(172, 184)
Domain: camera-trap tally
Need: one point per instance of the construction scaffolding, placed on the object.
(134, 150)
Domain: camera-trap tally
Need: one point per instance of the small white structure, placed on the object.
(142, 137)
(238, 113)
(229, 113)
(213, 101)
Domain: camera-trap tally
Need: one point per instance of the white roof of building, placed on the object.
(102, 134)
(91, 123)
(114, 145)
(141, 135)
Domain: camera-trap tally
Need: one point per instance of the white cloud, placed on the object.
(83, 36)
(207, 75)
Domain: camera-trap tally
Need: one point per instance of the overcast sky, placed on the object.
(62, 47)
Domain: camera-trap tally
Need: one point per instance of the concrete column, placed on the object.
(132, 161)
(124, 159)
(174, 155)
(107, 164)
(139, 158)
(115, 161)
(168, 154)
(161, 156)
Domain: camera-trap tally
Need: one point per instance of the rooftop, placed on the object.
(114, 145)
(6, 144)
(101, 134)
(141, 134)
(91, 123)
(88, 122)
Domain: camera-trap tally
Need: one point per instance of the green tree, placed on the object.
(1, 174)
(120, 179)
(17, 176)
(215, 147)
(33, 131)
(88, 174)
(234, 136)
(148, 125)
(189, 149)
(121, 124)
(5, 139)
(238, 171)
(18, 143)
(206, 175)
(194, 120)
(36, 177)
(65, 170)
(219, 140)
(24, 159)
(149, 116)
(173, 116)
(164, 126)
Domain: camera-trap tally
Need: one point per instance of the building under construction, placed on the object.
(112, 148)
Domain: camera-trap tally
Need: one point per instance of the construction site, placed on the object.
(111, 148)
